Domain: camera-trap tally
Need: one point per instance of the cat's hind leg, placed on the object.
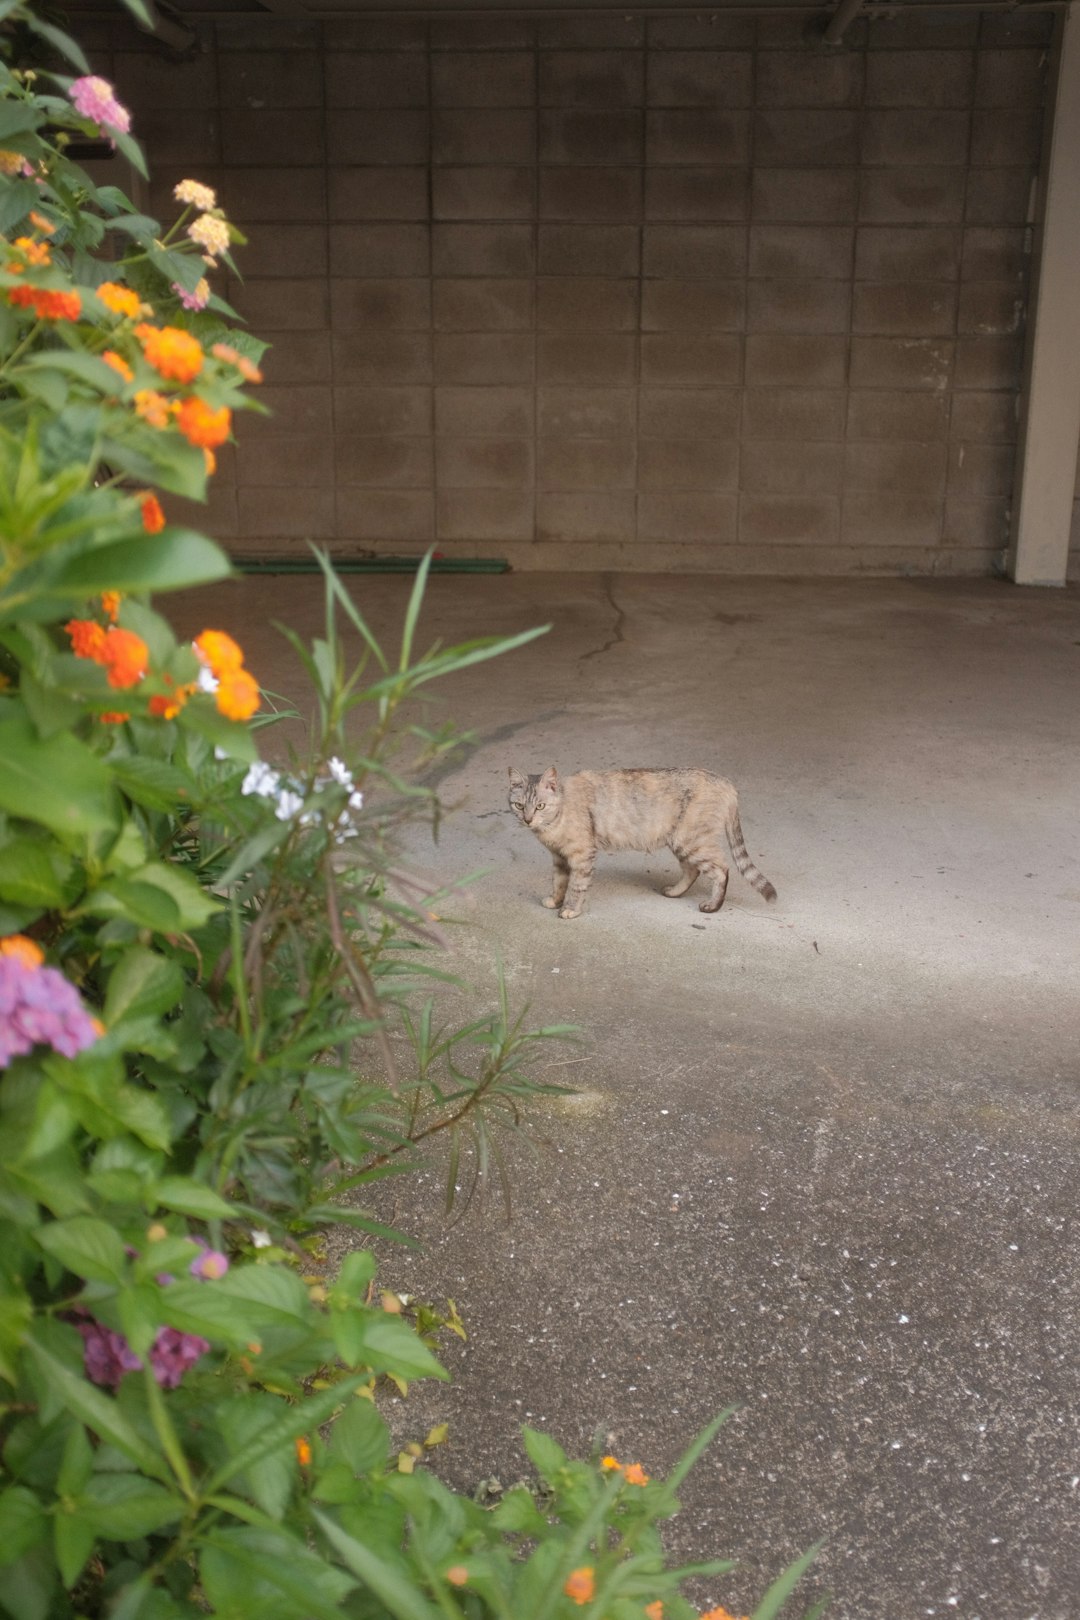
(685, 883)
(716, 872)
(560, 878)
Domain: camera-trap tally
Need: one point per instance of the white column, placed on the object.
(1050, 403)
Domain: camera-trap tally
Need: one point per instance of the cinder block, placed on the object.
(383, 462)
(483, 304)
(687, 515)
(372, 34)
(379, 250)
(282, 306)
(381, 357)
(698, 194)
(261, 137)
(277, 79)
(886, 518)
(818, 252)
(385, 514)
(581, 360)
(795, 79)
(676, 358)
(376, 78)
(217, 515)
(493, 412)
(981, 469)
(483, 79)
(986, 418)
(482, 193)
(930, 29)
(919, 79)
(298, 357)
(998, 196)
(700, 78)
(590, 195)
(1028, 27)
(483, 357)
(901, 414)
(795, 361)
(690, 413)
(475, 136)
(792, 520)
(592, 413)
(793, 413)
(259, 33)
(592, 79)
(193, 139)
(699, 135)
(400, 305)
(570, 464)
(591, 33)
(588, 250)
(1010, 78)
(708, 31)
(482, 250)
(586, 304)
(1003, 136)
(483, 34)
(284, 250)
(896, 138)
(287, 511)
(981, 523)
(791, 467)
(148, 80)
(694, 250)
(688, 464)
(804, 196)
(988, 362)
(484, 463)
(913, 196)
(798, 306)
(905, 308)
(382, 410)
(814, 138)
(895, 466)
(883, 362)
(583, 135)
(367, 137)
(699, 307)
(991, 306)
(884, 253)
(385, 193)
(272, 194)
(484, 514)
(586, 515)
(290, 459)
(995, 254)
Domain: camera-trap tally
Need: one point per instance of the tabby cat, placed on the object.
(690, 811)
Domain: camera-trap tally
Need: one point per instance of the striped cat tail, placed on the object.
(742, 857)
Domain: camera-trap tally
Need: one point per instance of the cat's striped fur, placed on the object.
(689, 811)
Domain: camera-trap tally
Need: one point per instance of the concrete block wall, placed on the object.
(660, 293)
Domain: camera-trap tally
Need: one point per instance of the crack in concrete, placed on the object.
(616, 635)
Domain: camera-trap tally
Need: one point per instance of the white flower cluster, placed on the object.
(266, 783)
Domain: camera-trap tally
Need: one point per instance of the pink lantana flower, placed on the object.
(95, 98)
(193, 300)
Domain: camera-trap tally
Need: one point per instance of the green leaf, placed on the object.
(23, 1523)
(546, 1456)
(122, 1507)
(302, 1419)
(73, 1542)
(88, 1247)
(231, 736)
(782, 1588)
(142, 985)
(15, 117)
(56, 781)
(61, 41)
(360, 1438)
(154, 783)
(99, 1412)
(170, 561)
(393, 1589)
(193, 1198)
(250, 1571)
(518, 1514)
(16, 202)
(74, 363)
(165, 898)
(28, 876)
(391, 1346)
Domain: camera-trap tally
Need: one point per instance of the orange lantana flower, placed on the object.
(218, 651)
(167, 705)
(47, 306)
(457, 1575)
(720, 1613)
(655, 1611)
(87, 639)
(611, 1463)
(33, 252)
(201, 425)
(237, 695)
(121, 300)
(152, 407)
(113, 717)
(125, 656)
(110, 604)
(634, 1474)
(23, 950)
(118, 363)
(41, 223)
(247, 368)
(171, 351)
(153, 517)
(303, 1451)
(580, 1585)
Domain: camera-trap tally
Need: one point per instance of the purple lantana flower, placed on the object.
(38, 1007)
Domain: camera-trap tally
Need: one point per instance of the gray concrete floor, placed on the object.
(823, 1160)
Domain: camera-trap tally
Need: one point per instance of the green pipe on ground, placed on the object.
(376, 565)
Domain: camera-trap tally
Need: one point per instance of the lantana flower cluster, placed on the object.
(235, 689)
(38, 1006)
(263, 782)
(126, 657)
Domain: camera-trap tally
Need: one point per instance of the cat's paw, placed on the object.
(549, 902)
(566, 914)
(707, 905)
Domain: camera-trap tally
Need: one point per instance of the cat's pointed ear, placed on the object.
(516, 778)
(549, 781)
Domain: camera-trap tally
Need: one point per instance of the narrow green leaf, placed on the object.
(782, 1588)
(393, 1589)
(99, 1412)
(297, 1420)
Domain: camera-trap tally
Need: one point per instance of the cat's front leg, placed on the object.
(559, 880)
(580, 877)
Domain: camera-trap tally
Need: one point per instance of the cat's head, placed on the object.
(536, 800)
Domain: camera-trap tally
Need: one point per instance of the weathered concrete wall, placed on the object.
(666, 293)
